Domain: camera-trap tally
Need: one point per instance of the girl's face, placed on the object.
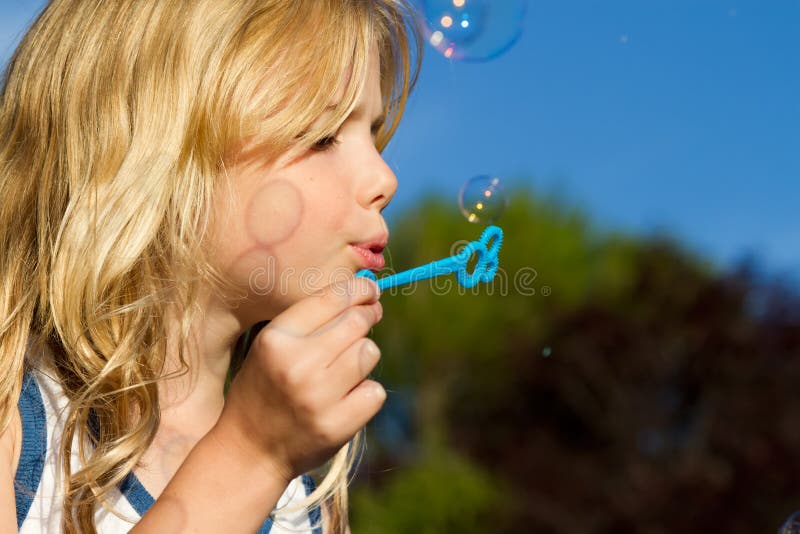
(292, 224)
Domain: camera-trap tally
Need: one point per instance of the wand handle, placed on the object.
(484, 271)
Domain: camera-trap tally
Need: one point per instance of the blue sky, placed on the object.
(680, 116)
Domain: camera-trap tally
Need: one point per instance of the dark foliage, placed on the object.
(669, 408)
(631, 389)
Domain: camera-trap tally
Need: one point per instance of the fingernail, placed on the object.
(376, 392)
(371, 349)
(369, 352)
(377, 289)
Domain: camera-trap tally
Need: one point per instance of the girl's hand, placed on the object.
(301, 393)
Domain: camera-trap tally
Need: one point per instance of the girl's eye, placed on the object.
(325, 143)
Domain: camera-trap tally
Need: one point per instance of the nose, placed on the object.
(381, 184)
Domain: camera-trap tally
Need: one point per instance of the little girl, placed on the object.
(187, 188)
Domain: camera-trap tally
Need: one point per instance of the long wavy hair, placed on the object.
(116, 119)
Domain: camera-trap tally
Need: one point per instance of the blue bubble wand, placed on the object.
(487, 249)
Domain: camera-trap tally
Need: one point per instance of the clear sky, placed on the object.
(680, 116)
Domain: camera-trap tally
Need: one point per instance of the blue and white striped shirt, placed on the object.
(38, 482)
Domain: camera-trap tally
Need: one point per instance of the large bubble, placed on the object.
(482, 199)
(473, 30)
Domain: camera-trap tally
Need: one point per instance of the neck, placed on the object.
(193, 400)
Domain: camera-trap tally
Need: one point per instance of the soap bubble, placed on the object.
(482, 199)
(458, 23)
(791, 525)
(473, 30)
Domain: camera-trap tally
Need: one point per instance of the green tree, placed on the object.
(626, 387)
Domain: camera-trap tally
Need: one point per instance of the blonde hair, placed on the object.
(116, 118)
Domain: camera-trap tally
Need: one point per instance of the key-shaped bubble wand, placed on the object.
(487, 249)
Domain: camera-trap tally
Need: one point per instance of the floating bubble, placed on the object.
(791, 525)
(456, 23)
(482, 199)
(473, 30)
(547, 352)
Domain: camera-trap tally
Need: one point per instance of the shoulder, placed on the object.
(11, 441)
(28, 435)
(10, 446)
(12, 436)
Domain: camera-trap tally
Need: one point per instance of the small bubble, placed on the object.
(791, 525)
(547, 352)
(482, 199)
(623, 39)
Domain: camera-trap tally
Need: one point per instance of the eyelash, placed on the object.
(327, 143)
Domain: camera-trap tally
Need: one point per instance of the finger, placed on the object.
(310, 313)
(356, 409)
(350, 368)
(349, 326)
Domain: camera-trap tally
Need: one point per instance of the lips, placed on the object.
(370, 252)
(370, 259)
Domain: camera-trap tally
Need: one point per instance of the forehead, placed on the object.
(372, 82)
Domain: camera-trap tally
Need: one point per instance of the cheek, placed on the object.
(326, 207)
(291, 219)
(274, 213)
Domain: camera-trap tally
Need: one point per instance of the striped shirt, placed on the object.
(38, 489)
